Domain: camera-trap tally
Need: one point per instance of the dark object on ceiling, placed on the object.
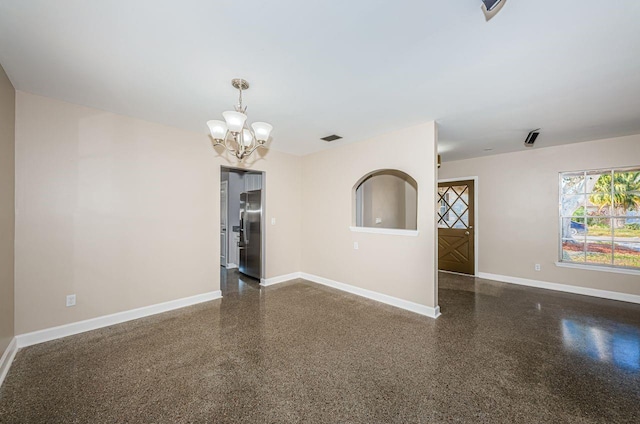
(332, 137)
(490, 8)
(531, 138)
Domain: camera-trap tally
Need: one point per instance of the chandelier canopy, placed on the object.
(233, 133)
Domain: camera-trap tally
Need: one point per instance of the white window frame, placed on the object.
(585, 265)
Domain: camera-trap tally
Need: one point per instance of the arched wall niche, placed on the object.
(386, 198)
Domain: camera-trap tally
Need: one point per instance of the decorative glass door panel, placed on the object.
(455, 227)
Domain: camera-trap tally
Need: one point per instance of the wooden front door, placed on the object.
(456, 250)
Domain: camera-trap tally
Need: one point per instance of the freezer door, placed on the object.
(242, 265)
(251, 233)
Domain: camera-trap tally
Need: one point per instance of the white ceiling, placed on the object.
(357, 68)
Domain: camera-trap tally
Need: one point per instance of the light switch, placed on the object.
(355, 245)
(273, 221)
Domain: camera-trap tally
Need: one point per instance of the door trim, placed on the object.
(225, 184)
(475, 217)
(263, 229)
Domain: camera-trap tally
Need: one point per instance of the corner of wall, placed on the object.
(7, 211)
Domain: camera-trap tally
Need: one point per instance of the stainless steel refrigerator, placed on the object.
(250, 243)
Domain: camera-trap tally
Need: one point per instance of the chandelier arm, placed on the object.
(228, 147)
(254, 148)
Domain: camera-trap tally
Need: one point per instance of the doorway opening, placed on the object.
(457, 226)
(242, 229)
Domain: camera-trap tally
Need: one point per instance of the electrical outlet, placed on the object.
(378, 220)
(71, 300)
(355, 245)
(537, 267)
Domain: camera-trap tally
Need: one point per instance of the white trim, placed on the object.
(225, 184)
(391, 231)
(265, 282)
(231, 265)
(476, 219)
(605, 294)
(263, 224)
(598, 268)
(7, 359)
(379, 297)
(53, 333)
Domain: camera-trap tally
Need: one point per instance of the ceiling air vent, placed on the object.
(490, 8)
(531, 138)
(332, 137)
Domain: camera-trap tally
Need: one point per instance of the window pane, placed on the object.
(572, 183)
(572, 251)
(627, 254)
(626, 229)
(599, 229)
(605, 221)
(571, 204)
(454, 207)
(599, 201)
(596, 209)
(463, 222)
(599, 253)
(598, 182)
(626, 189)
(574, 228)
(459, 206)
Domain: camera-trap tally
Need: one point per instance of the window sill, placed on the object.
(391, 231)
(598, 268)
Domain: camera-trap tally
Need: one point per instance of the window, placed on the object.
(386, 199)
(600, 218)
(453, 206)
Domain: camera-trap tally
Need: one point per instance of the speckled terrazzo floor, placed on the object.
(300, 352)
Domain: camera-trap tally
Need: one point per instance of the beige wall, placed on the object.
(125, 213)
(7, 208)
(518, 209)
(388, 196)
(399, 266)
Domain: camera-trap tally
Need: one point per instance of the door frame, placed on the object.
(476, 246)
(226, 220)
(263, 227)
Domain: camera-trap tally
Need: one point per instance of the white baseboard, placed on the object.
(7, 359)
(279, 279)
(605, 294)
(53, 333)
(379, 297)
(231, 266)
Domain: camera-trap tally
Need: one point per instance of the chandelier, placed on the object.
(233, 133)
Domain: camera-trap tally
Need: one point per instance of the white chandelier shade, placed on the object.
(218, 129)
(234, 134)
(247, 138)
(235, 120)
(262, 130)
